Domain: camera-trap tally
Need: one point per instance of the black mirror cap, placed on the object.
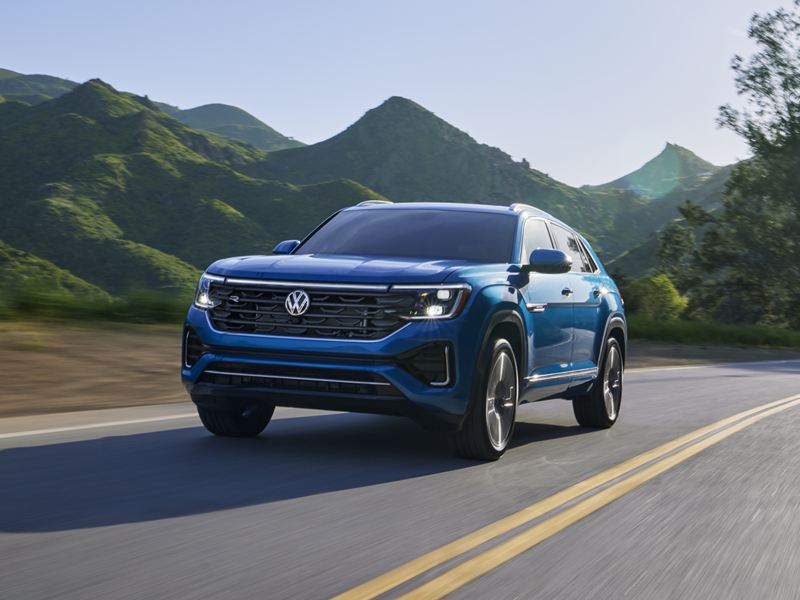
(286, 247)
(546, 260)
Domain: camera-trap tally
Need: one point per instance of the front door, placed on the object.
(549, 316)
(585, 284)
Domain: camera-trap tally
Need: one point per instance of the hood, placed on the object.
(336, 268)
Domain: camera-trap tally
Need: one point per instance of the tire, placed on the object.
(489, 425)
(599, 409)
(241, 424)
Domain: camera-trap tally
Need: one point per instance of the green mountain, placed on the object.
(111, 189)
(221, 119)
(32, 89)
(673, 169)
(636, 253)
(235, 123)
(407, 153)
(116, 192)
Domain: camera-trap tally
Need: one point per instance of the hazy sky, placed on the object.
(585, 90)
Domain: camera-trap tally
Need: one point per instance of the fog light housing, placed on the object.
(432, 364)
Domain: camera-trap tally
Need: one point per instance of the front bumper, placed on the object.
(335, 374)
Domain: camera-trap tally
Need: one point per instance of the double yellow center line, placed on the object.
(662, 458)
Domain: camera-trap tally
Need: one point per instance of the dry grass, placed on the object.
(61, 366)
(57, 366)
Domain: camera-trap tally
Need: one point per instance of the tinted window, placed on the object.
(567, 242)
(535, 236)
(417, 233)
(587, 256)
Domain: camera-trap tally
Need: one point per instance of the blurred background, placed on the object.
(136, 150)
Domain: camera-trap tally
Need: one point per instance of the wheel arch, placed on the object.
(509, 324)
(616, 327)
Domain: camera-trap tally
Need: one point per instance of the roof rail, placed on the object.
(371, 202)
(520, 206)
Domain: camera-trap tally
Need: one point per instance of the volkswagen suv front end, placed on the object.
(423, 310)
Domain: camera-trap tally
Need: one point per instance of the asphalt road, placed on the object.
(143, 503)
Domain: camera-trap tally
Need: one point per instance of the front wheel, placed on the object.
(236, 423)
(488, 427)
(599, 408)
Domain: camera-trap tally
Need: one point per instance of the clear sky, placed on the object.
(586, 90)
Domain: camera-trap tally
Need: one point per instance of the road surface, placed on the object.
(143, 503)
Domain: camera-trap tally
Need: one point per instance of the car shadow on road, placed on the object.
(173, 473)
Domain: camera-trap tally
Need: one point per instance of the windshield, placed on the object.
(472, 236)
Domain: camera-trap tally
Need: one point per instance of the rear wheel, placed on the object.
(247, 422)
(599, 408)
(489, 425)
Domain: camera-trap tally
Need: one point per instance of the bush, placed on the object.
(654, 297)
(40, 302)
(710, 332)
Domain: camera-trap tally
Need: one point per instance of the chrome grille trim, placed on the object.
(308, 285)
(336, 314)
(295, 378)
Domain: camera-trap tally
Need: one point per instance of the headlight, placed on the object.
(436, 301)
(203, 299)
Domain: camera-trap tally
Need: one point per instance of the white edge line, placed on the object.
(713, 365)
(32, 432)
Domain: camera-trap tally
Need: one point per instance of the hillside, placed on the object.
(102, 183)
(112, 190)
(33, 89)
(235, 123)
(407, 153)
(22, 270)
(673, 169)
(634, 253)
(221, 119)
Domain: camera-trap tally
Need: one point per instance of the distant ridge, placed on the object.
(235, 123)
(123, 192)
(103, 191)
(408, 153)
(672, 168)
(221, 119)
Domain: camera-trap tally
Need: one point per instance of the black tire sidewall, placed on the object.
(494, 347)
(611, 343)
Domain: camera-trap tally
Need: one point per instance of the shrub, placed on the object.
(654, 297)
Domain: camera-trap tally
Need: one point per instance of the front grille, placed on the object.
(299, 378)
(260, 309)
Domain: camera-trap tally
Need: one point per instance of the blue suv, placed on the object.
(451, 314)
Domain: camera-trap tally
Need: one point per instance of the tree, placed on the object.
(746, 268)
(676, 254)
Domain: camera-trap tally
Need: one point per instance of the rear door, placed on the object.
(549, 313)
(585, 285)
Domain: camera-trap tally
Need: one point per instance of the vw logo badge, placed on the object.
(297, 303)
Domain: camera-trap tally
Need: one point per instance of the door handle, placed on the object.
(566, 292)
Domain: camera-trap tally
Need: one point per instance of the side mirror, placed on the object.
(286, 247)
(545, 260)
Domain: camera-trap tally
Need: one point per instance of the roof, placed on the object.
(459, 207)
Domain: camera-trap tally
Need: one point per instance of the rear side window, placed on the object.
(587, 256)
(567, 242)
(534, 236)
